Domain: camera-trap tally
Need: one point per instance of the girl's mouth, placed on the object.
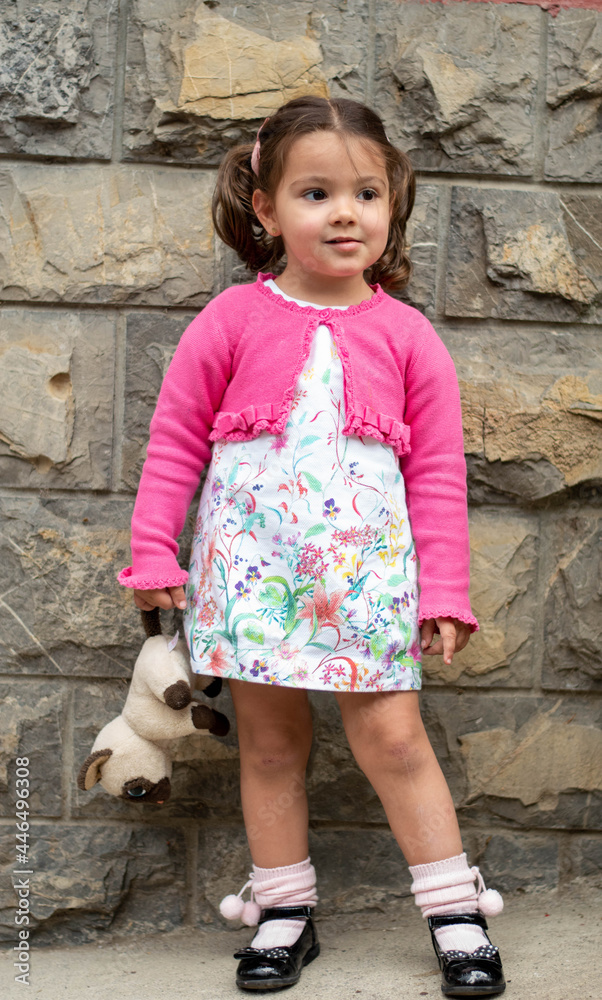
(346, 244)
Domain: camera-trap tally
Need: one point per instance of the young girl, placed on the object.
(337, 464)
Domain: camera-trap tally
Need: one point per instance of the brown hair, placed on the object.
(233, 215)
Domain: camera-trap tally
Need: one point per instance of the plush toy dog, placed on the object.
(130, 755)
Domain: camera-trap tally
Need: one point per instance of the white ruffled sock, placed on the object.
(443, 888)
(291, 885)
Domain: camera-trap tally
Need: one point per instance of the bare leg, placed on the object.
(274, 735)
(389, 742)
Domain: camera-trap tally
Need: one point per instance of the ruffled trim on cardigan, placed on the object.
(367, 422)
(462, 616)
(127, 579)
(249, 423)
(253, 420)
(324, 312)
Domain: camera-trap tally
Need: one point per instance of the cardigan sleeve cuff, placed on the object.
(462, 616)
(147, 582)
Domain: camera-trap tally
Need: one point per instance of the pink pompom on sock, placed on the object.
(291, 885)
(443, 888)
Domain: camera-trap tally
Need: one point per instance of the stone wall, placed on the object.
(113, 119)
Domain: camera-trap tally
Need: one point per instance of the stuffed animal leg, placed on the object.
(130, 755)
(159, 703)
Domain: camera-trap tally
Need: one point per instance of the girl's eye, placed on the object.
(315, 195)
(368, 195)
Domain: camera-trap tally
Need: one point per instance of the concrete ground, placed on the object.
(550, 943)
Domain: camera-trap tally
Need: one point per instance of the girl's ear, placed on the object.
(264, 210)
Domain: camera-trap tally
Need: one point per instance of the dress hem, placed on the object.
(308, 687)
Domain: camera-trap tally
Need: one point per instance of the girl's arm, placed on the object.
(178, 450)
(435, 478)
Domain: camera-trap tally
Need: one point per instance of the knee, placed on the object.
(406, 753)
(276, 750)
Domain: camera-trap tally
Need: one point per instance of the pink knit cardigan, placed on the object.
(234, 375)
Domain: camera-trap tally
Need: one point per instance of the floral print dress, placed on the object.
(303, 571)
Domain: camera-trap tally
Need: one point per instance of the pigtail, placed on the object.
(233, 216)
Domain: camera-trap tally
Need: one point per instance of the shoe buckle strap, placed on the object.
(285, 913)
(446, 920)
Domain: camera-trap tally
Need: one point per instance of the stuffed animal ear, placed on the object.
(90, 772)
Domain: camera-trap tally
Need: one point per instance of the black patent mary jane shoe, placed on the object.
(276, 968)
(475, 974)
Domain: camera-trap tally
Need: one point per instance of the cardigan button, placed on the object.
(326, 314)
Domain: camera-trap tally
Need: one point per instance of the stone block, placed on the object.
(92, 879)
(574, 96)
(525, 255)
(202, 79)
(62, 610)
(57, 72)
(106, 235)
(457, 83)
(504, 549)
(342, 31)
(205, 778)
(31, 723)
(583, 859)
(224, 863)
(151, 341)
(573, 602)
(526, 761)
(56, 399)
(338, 792)
(520, 862)
(358, 870)
(532, 405)
(422, 239)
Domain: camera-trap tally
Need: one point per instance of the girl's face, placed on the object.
(332, 208)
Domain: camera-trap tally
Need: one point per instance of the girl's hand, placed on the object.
(454, 636)
(170, 597)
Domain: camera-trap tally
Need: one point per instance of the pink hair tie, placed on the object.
(255, 153)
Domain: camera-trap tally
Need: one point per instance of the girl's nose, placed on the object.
(344, 210)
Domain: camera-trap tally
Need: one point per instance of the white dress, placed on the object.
(303, 571)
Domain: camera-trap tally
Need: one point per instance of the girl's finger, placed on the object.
(178, 596)
(163, 600)
(448, 635)
(142, 604)
(435, 650)
(146, 600)
(427, 632)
